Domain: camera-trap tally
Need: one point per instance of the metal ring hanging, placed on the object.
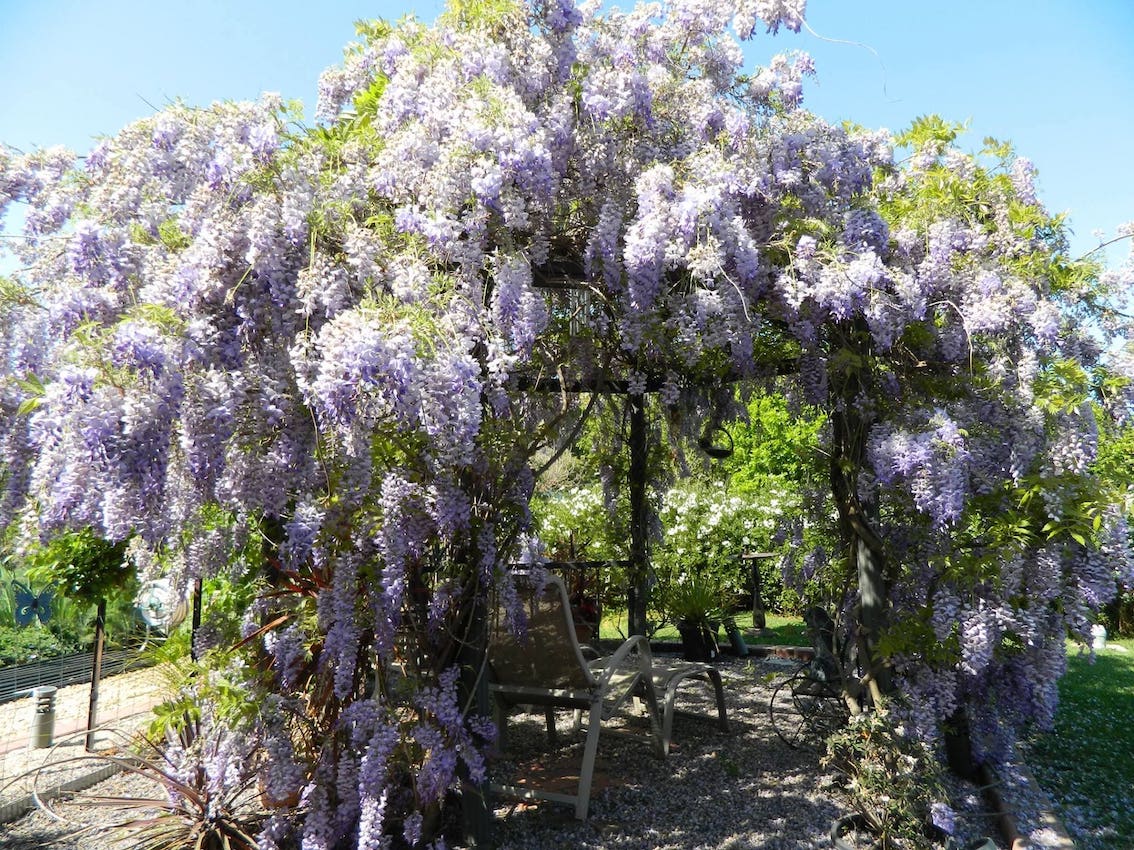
(709, 445)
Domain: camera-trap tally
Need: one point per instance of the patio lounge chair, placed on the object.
(667, 677)
(545, 667)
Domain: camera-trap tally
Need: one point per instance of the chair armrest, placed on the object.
(615, 661)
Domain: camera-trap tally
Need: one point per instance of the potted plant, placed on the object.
(694, 605)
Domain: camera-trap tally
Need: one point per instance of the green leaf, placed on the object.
(366, 102)
(28, 405)
(31, 384)
(996, 148)
(172, 236)
(929, 128)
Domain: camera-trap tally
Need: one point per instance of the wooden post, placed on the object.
(637, 594)
(96, 673)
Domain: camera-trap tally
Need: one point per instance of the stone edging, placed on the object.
(1006, 820)
(22, 805)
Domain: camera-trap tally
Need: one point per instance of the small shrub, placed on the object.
(695, 599)
(575, 523)
(207, 797)
(84, 566)
(706, 529)
(892, 779)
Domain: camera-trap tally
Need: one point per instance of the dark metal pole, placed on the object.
(96, 673)
(474, 684)
(637, 596)
(759, 620)
(195, 626)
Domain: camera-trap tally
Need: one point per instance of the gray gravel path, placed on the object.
(76, 823)
(742, 790)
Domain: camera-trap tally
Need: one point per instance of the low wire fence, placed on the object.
(40, 727)
(17, 680)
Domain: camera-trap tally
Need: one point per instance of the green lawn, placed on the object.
(782, 631)
(1087, 762)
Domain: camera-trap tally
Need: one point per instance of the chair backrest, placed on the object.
(826, 665)
(547, 654)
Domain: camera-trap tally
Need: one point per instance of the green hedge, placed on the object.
(21, 646)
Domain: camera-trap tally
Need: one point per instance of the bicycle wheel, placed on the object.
(786, 719)
(805, 711)
(825, 712)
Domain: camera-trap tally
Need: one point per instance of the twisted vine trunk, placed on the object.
(475, 813)
(863, 545)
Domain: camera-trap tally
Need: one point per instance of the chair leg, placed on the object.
(661, 738)
(549, 720)
(583, 800)
(715, 678)
(667, 717)
(670, 684)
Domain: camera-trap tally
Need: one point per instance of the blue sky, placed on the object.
(1055, 78)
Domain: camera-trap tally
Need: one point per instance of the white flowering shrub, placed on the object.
(706, 529)
(575, 523)
(893, 780)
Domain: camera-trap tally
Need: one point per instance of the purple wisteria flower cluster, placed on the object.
(298, 359)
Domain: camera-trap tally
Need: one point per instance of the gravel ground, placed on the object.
(737, 791)
(77, 822)
(741, 790)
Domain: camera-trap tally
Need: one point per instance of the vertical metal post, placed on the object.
(474, 686)
(96, 673)
(637, 595)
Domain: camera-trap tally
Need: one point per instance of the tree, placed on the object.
(89, 569)
(303, 357)
(1115, 466)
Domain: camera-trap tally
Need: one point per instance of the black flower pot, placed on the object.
(698, 643)
(842, 826)
(857, 821)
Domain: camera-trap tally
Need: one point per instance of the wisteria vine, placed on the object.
(298, 357)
